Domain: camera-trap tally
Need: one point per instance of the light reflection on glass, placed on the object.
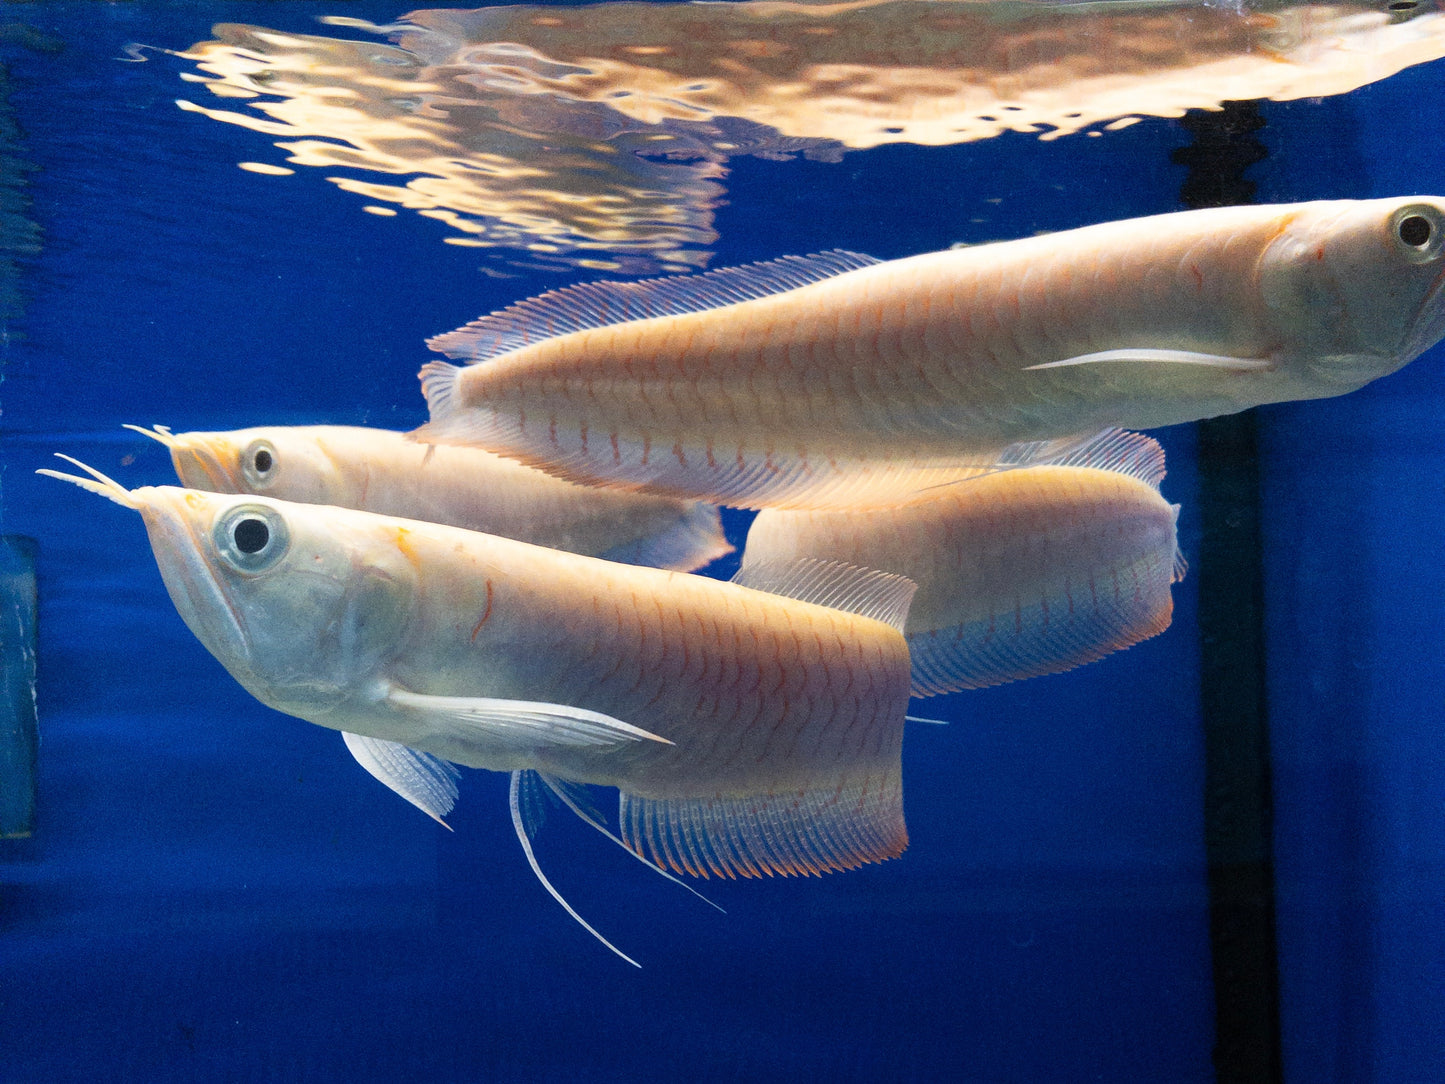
(598, 136)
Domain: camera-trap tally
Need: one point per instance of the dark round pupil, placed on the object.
(1415, 231)
(263, 461)
(251, 535)
(1404, 5)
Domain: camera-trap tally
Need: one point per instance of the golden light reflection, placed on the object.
(266, 168)
(599, 134)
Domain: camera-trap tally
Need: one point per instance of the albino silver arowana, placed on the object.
(1019, 573)
(377, 470)
(748, 733)
(839, 381)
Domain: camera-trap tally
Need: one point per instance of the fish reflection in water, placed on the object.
(748, 733)
(844, 382)
(377, 470)
(946, 71)
(1020, 573)
(599, 136)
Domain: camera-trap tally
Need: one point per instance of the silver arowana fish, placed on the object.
(747, 733)
(841, 382)
(377, 470)
(1020, 573)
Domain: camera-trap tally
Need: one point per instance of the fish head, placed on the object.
(285, 462)
(303, 604)
(1357, 287)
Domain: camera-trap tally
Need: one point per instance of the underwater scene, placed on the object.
(892, 540)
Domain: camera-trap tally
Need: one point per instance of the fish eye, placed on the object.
(1418, 231)
(250, 535)
(1414, 231)
(259, 463)
(251, 538)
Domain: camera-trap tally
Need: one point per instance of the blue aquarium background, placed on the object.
(215, 891)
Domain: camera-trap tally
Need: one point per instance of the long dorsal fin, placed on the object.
(1117, 450)
(597, 304)
(883, 596)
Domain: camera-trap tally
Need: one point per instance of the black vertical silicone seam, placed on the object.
(1238, 813)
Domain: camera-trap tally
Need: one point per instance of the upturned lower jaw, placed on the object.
(196, 470)
(202, 604)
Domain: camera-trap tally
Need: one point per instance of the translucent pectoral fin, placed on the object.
(1170, 357)
(522, 724)
(426, 781)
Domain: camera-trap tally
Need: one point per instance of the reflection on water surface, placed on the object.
(598, 136)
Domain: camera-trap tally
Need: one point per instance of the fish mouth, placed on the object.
(192, 584)
(180, 542)
(198, 458)
(199, 466)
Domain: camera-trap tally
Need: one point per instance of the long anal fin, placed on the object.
(789, 833)
(427, 782)
(524, 838)
(1131, 604)
(522, 724)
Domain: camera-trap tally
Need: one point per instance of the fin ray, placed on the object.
(882, 596)
(525, 840)
(977, 655)
(693, 540)
(789, 833)
(523, 724)
(1118, 450)
(426, 781)
(598, 304)
(560, 789)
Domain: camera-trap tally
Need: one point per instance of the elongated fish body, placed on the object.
(377, 470)
(747, 733)
(1020, 573)
(842, 382)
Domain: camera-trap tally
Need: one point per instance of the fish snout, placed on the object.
(201, 465)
